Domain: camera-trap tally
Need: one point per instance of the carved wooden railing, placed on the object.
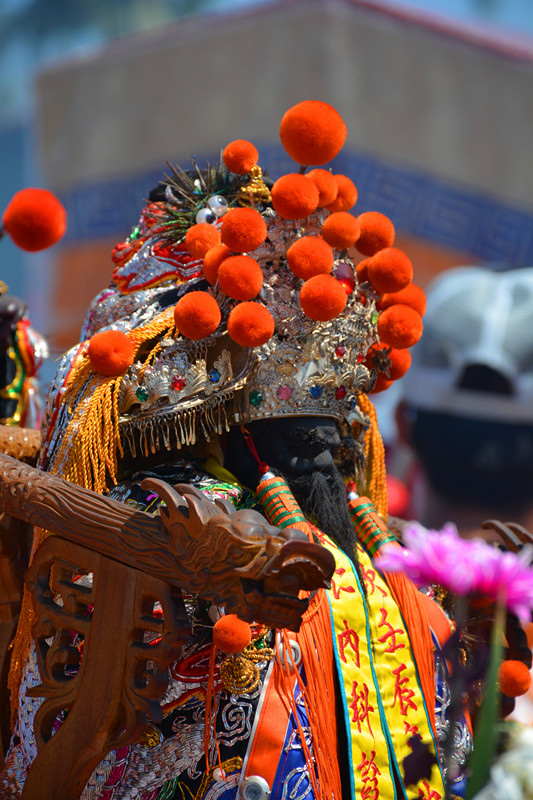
(230, 558)
(15, 541)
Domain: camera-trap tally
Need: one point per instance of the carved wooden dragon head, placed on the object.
(237, 559)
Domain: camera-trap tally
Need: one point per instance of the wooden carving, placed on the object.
(15, 540)
(231, 558)
(21, 443)
(513, 535)
(111, 691)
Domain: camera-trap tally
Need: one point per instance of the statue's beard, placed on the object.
(322, 498)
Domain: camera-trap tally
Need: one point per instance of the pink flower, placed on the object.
(464, 566)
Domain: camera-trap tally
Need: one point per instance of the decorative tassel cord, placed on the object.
(376, 476)
(91, 444)
(87, 456)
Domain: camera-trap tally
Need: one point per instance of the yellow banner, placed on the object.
(382, 699)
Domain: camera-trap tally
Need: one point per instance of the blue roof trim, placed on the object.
(419, 204)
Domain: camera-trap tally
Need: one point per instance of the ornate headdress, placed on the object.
(236, 299)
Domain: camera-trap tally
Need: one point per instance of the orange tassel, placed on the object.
(209, 705)
(315, 640)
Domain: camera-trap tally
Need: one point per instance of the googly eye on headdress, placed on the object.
(218, 205)
(216, 208)
(206, 215)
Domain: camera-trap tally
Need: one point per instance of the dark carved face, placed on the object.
(294, 446)
(299, 446)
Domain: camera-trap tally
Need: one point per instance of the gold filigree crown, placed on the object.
(305, 368)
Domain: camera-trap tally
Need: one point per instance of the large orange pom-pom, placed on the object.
(231, 634)
(390, 270)
(400, 361)
(312, 132)
(35, 219)
(110, 352)
(197, 315)
(212, 261)
(322, 298)
(346, 195)
(400, 326)
(377, 232)
(412, 296)
(240, 277)
(243, 229)
(381, 385)
(326, 184)
(240, 156)
(309, 256)
(294, 196)
(340, 230)
(250, 324)
(514, 677)
(200, 238)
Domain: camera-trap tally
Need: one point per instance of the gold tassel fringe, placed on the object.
(376, 478)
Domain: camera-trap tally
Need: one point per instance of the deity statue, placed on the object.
(218, 400)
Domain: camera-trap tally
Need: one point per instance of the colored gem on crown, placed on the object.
(256, 398)
(284, 392)
(178, 383)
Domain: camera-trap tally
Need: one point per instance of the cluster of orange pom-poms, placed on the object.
(312, 133)
(227, 261)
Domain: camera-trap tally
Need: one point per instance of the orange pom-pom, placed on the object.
(514, 677)
(200, 238)
(381, 385)
(309, 256)
(322, 298)
(361, 271)
(312, 132)
(250, 324)
(243, 229)
(412, 296)
(400, 326)
(400, 361)
(390, 270)
(326, 184)
(35, 219)
(294, 196)
(212, 261)
(231, 634)
(197, 315)
(110, 352)
(346, 195)
(240, 277)
(377, 232)
(340, 230)
(240, 156)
